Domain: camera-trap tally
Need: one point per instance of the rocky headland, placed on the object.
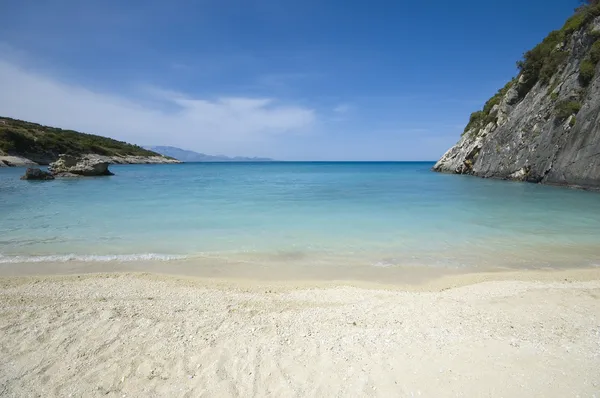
(544, 125)
(24, 144)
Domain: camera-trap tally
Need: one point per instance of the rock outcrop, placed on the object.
(544, 126)
(80, 166)
(36, 174)
(15, 161)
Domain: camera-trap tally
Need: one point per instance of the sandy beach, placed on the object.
(519, 334)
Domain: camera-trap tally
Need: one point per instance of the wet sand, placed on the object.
(254, 272)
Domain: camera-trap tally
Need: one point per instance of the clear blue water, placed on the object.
(297, 215)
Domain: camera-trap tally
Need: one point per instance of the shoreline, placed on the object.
(429, 280)
(17, 161)
(560, 185)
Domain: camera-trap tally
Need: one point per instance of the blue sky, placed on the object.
(289, 79)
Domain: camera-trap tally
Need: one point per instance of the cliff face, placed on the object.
(542, 128)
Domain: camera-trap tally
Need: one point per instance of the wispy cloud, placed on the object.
(342, 108)
(220, 125)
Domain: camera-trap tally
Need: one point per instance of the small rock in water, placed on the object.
(36, 174)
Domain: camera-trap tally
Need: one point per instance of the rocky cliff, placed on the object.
(544, 125)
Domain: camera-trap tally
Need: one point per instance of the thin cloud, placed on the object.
(342, 108)
(219, 125)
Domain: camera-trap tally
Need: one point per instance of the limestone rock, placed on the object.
(530, 142)
(85, 166)
(36, 174)
(15, 161)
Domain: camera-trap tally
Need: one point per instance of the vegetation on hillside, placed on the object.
(587, 68)
(542, 62)
(566, 108)
(35, 141)
(481, 118)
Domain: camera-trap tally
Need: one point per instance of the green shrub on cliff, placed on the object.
(542, 62)
(595, 52)
(587, 69)
(573, 121)
(481, 118)
(495, 100)
(475, 119)
(555, 59)
(566, 108)
(582, 17)
(18, 137)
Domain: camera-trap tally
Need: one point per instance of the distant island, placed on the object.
(24, 143)
(191, 156)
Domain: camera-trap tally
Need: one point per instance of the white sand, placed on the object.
(131, 335)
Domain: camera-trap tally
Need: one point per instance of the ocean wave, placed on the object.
(90, 258)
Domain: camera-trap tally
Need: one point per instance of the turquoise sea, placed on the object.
(302, 216)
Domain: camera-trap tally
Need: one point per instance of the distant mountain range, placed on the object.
(191, 156)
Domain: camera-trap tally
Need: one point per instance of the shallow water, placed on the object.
(297, 215)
